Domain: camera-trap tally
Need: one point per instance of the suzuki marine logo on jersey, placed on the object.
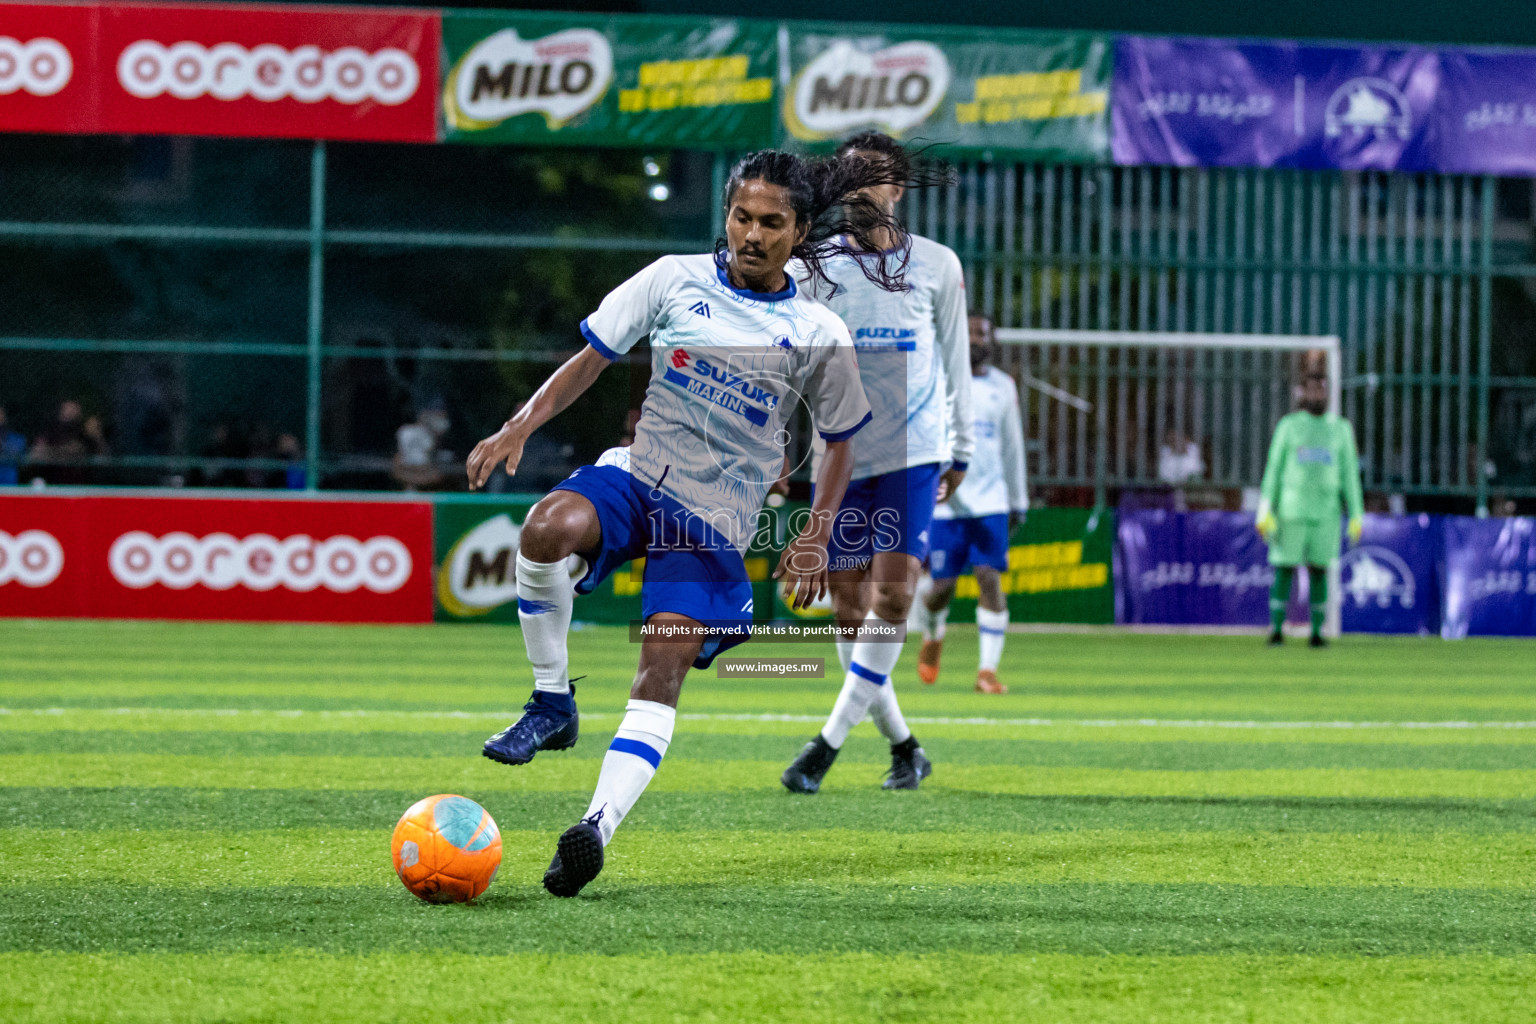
(479, 573)
(228, 71)
(1372, 574)
(504, 75)
(845, 88)
(680, 358)
(32, 558)
(892, 333)
(260, 562)
(41, 67)
(725, 389)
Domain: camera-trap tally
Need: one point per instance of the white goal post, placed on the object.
(1104, 401)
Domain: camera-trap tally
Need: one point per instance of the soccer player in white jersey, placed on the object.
(914, 362)
(971, 529)
(735, 346)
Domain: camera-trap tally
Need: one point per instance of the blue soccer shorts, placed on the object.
(690, 569)
(960, 544)
(889, 512)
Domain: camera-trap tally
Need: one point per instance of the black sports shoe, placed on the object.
(1317, 641)
(1276, 638)
(909, 765)
(805, 773)
(550, 722)
(578, 858)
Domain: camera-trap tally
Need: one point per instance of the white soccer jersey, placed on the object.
(728, 367)
(995, 481)
(929, 390)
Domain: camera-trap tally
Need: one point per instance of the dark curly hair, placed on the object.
(825, 194)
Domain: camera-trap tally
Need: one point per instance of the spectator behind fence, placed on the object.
(13, 448)
(418, 464)
(1179, 460)
(291, 452)
(70, 438)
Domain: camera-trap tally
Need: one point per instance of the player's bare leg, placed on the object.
(934, 619)
(633, 756)
(991, 628)
(561, 524)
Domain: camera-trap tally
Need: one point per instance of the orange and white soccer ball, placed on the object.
(446, 849)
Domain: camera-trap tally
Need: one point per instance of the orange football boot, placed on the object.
(928, 661)
(986, 682)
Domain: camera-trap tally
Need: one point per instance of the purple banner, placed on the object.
(1215, 103)
(1490, 577)
(1192, 568)
(1387, 582)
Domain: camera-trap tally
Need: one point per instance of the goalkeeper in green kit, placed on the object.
(1312, 465)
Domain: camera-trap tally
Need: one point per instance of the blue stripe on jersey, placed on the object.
(864, 673)
(843, 435)
(597, 343)
(719, 396)
(644, 751)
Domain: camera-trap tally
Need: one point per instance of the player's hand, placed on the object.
(803, 569)
(780, 487)
(949, 483)
(1016, 519)
(1267, 524)
(1356, 529)
(504, 446)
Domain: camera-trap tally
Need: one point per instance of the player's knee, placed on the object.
(892, 601)
(550, 533)
(990, 583)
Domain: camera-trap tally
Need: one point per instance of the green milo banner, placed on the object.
(1041, 95)
(615, 81)
(1059, 570)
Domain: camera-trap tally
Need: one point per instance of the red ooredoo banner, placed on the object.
(192, 558)
(293, 72)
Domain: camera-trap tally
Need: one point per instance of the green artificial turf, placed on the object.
(195, 819)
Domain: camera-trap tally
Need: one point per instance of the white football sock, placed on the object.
(887, 715)
(869, 671)
(544, 596)
(938, 622)
(631, 762)
(993, 627)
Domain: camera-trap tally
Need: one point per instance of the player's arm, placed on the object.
(953, 340)
(803, 566)
(554, 396)
(1349, 467)
(625, 316)
(1274, 473)
(1014, 473)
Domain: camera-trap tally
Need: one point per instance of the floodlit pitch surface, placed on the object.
(195, 821)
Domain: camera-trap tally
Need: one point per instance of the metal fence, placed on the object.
(191, 290)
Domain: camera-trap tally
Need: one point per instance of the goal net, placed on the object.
(1105, 410)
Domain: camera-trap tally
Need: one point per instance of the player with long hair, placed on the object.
(914, 359)
(735, 346)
